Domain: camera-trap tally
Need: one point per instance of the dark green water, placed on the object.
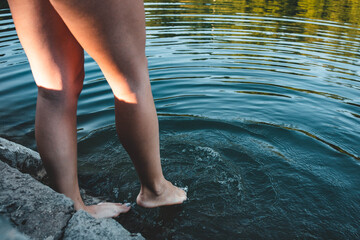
(259, 110)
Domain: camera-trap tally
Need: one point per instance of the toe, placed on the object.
(123, 208)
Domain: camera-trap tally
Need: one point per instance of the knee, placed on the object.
(130, 80)
(71, 87)
(130, 89)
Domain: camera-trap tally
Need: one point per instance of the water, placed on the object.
(259, 110)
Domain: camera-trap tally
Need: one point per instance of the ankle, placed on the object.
(156, 187)
(78, 204)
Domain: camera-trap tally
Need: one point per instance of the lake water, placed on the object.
(259, 111)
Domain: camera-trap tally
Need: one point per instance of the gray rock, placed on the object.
(22, 158)
(40, 212)
(8, 232)
(35, 209)
(29, 161)
(83, 226)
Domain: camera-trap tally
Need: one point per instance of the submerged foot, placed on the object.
(166, 195)
(106, 209)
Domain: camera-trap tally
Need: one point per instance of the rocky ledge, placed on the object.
(31, 210)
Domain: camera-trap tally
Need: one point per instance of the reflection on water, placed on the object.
(259, 114)
(330, 10)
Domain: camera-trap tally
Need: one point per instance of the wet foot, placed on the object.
(167, 195)
(106, 209)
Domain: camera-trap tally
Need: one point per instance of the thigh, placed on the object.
(55, 57)
(113, 33)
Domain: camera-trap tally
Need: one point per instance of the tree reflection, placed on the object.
(329, 22)
(347, 11)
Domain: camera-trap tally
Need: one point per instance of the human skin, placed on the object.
(54, 34)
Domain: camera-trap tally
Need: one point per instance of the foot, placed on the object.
(167, 194)
(106, 209)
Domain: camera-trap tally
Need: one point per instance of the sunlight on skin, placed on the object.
(54, 43)
(43, 82)
(123, 92)
(121, 89)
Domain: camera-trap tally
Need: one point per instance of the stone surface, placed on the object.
(35, 209)
(29, 161)
(83, 226)
(8, 232)
(22, 158)
(38, 211)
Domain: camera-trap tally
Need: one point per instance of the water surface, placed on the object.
(259, 111)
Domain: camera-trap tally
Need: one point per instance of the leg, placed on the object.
(117, 43)
(56, 60)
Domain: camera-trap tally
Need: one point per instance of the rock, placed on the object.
(22, 158)
(29, 161)
(40, 212)
(83, 226)
(8, 232)
(34, 208)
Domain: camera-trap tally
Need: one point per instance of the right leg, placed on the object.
(113, 33)
(57, 63)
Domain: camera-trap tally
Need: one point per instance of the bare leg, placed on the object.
(56, 61)
(113, 33)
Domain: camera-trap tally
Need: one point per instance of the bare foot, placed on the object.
(167, 195)
(106, 209)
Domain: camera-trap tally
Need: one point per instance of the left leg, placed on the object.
(57, 63)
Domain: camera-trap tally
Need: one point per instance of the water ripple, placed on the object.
(259, 114)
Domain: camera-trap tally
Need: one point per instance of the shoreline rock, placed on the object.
(38, 211)
(35, 209)
(22, 158)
